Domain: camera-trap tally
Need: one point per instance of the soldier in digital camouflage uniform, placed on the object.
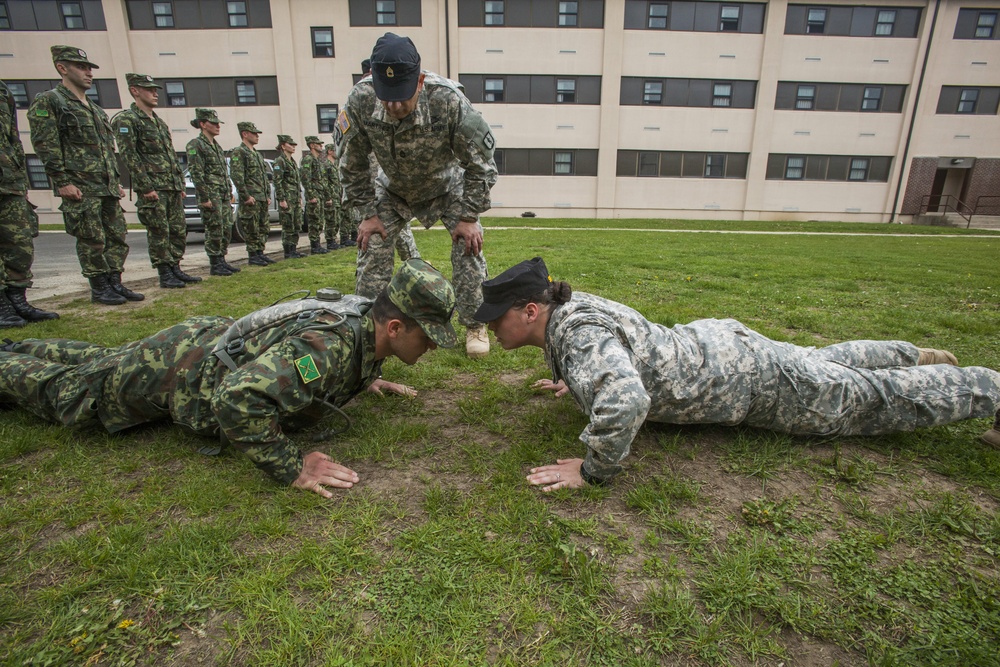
(288, 192)
(148, 151)
(314, 182)
(337, 226)
(249, 173)
(18, 223)
(207, 168)
(73, 138)
(286, 378)
(623, 370)
(436, 157)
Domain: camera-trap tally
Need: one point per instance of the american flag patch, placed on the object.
(343, 124)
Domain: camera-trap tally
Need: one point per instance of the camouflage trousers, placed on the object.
(18, 226)
(255, 225)
(98, 224)
(316, 216)
(291, 224)
(862, 388)
(166, 231)
(218, 222)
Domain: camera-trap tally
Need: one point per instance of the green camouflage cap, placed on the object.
(140, 81)
(247, 126)
(209, 115)
(63, 53)
(313, 139)
(330, 147)
(285, 139)
(421, 292)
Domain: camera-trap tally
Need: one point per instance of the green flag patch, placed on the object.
(307, 368)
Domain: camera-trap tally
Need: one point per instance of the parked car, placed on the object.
(192, 214)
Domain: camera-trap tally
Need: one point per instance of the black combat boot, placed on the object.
(350, 241)
(332, 245)
(257, 258)
(8, 316)
(232, 269)
(25, 309)
(218, 266)
(167, 278)
(268, 258)
(115, 280)
(316, 249)
(101, 291)
(184, 277)
(291, 252)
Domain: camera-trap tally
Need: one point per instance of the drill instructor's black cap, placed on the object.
(395, 68)
(524, 280)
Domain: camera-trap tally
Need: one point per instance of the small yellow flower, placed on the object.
(125, 624)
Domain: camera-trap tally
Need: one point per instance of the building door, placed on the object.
(937, 189)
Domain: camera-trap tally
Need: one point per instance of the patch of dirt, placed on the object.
(806, 651)
(199, 644)
(53, 534)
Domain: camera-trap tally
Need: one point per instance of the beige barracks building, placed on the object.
(612, 108)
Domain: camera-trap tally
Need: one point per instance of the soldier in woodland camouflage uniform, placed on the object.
(207, 167)
(72, 137)
(286, 377)
(314, 182)
(249, 173)
(288, 192)
(623, 370)
(148, 151)
(18, 223)
(337, 224)
(436, 157)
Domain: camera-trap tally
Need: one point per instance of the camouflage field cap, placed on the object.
(209, 115)
(63, 53)
(285, 139)
(395, 68)
(313, 139)
(330, 147)
(421, 292)
(247, 126)
(522, 281)
(140, 81)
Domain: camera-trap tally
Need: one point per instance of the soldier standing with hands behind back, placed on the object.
(314, 182)
(249, 174)
(288, 192)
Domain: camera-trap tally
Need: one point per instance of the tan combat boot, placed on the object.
(477, 342)
(992, 437)
(930, 356)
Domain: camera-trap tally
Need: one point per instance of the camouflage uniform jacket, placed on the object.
(74, 141)
(622, 369)
(13, 172)
(147, 150)
(331, 170)
(313, 178)
(287, 184)
(249, 173)
(444, 146)
(207, 166)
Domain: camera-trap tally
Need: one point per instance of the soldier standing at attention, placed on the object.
(249, 174)
(288, 192)
(313, 180)
(72, 137)
(335, 217)
(18, 223)
(148, 151)
(207, 166)
(436, 157)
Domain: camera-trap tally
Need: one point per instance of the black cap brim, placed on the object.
(400, 89)
(489, 312)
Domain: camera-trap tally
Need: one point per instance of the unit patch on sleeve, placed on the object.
(307, 368)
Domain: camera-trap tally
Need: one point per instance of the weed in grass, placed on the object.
(765, 513)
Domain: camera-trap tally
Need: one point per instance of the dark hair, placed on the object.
(196, 124)
(557, 293)
(384, 310)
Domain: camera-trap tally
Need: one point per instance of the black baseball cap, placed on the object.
(522, 281)
(395, 68)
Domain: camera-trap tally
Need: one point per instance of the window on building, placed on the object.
(805, 97)
(859, 169)
(246, 92)
(94, 94)
(72, 15)
(729, 19)
(500, 160)
(563, 161)
(37, 178)
(985, 25)
(326, 117)
(722, 95)
(322, 39)
(175, 93)
(715, 165)
(885, 22)
(19, 91)
(565, 91)
(657, 17)
(652, 92)
(4, 17)
(568, 13)
(163, 14)
(872, 98)
(493, 90)
(493, 12)
(237, 14)
(794, 168)
(649, 164)
(967, 100)
(385, 12)
(816, 21)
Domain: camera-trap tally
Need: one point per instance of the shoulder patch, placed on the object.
(343, 122)
(123, 129)
(42, 113)
(192, 151)
(307, 368)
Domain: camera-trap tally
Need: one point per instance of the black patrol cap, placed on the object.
(395, 68)
(522, 281)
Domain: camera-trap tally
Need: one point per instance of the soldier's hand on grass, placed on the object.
(319, 471)
(559, 388)
(471, 234)
(380, 385)
(564, 475)
(70, 192)
(151, 196)
(366, 229)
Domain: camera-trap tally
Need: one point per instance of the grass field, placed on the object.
(717, 546)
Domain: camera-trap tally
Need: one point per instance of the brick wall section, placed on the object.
(922, 170)
(985, 180)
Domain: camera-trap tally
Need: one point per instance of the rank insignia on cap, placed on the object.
(82, 53)
(307, 368)
(149, 78)
(389, 73)
(343, 122)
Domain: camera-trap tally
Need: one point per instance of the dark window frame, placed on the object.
(4, 16)
(568, 19)
(990, 28)
(962, 107)
(66, 18)
(728, 23)
(816, 26)
(490, 95)
(169, 16)
(172, 96)
(94, 94)
(241, 98)
(565, 97)
(322, 50)
(880, 22)
(866, 98)
(326, 123)
(800, 168)
(801, 99)
(651, 17)
(864, 168)
(726, 98)
(234, 15)
(36, 173)
(556, 162)
(652, 166)
(715, 165)
(383, 15)
(11, 85)
(500, 160)
(647, 96)
(490, 13)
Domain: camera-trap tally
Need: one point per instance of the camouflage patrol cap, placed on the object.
(208, 115)
(247, 126)
(285, 139)
(421, 292)
(313, 139)
(140, 81)
(70, 54)
(521, 281)
(330, 147)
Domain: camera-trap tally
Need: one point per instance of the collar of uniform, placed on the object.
(136, 109)
(68, 94)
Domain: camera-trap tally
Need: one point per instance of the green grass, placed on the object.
(717, 546)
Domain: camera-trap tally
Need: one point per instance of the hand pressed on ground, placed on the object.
(564, 475)
(319, 471)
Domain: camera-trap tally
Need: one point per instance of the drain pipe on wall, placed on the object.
(447, 39)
